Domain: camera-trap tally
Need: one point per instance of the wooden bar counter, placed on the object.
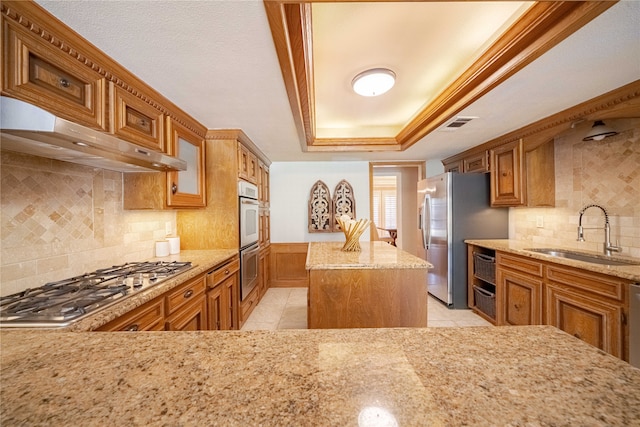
(380, 286)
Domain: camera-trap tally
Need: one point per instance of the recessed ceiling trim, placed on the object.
(540, 28)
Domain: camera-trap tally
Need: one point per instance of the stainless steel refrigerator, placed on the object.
(453, 207)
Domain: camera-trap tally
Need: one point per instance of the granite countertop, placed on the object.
(202, 261)
(529, 375)
(630, 272)
(374, 255)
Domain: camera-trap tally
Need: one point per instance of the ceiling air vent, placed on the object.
(456, 123)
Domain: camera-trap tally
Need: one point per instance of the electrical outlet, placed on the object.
(540, 221)
(167, 228)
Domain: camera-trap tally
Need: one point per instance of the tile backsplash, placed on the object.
(60, 220)
(604, 172)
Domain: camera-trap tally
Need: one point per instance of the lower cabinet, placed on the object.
(147, 317)
(223, 297)
(192, 317)
(519, 293)
(209, 301)
(590, 306)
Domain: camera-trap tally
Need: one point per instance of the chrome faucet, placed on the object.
(608, 247)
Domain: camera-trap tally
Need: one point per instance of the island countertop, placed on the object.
(530, 375)
(374, 255)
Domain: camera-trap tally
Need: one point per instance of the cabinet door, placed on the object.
(476, 163)
(192, 317)
(520, 298)
(147, 317)
(507, 181)
(453, 167)
(592, 320)
(135, 120)
(216, 309)
(232, 302)
(186, 188)
(37, 72)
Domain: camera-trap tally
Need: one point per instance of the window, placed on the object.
(385, 201)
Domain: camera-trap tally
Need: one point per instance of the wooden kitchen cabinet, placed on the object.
(476, 163)
(247, 164)
(591, 306)
(263, 184)
(135, 120)
(223, 296)
(264, 266)
(507, 179)
(455, 166)
(186, 188)
(522, 179)
(519, 284)
(192, 317)
(147, 317)
(38, 72)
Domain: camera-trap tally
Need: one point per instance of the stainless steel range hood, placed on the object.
(26, 128)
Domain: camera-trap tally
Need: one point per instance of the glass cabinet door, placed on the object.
(186, 188)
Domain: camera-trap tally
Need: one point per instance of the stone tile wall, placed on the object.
(604, 172)
(60, 220)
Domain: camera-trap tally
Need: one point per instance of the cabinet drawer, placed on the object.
(135, 120)
(518, 263)
(184, 294)
(249, 303)
(38, 73)
(600, 284)
(222, 273)
(147, 317)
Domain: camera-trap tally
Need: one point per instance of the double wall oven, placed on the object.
(249, 249)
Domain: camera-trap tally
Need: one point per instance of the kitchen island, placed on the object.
(531, 375)
(380, 286)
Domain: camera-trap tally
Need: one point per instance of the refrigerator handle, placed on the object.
(424, 220)
(426, 231)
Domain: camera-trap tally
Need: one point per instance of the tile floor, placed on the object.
(286, 308)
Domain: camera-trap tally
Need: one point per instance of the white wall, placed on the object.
(291, 184)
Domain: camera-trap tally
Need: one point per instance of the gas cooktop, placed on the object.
(58, 304)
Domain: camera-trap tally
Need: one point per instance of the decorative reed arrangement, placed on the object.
(352, 231)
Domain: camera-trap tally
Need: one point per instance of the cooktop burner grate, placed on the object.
(59, 303)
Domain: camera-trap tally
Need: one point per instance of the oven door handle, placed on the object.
(251, 251)
(249, 202)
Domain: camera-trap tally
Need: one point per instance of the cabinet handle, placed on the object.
(226, 272)
(577, 335)
(516, 306)
(64, 83)
(142, 122)
(132, 328)
(188, 293)
(174, 188)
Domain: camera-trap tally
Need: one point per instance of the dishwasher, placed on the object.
(634, 324)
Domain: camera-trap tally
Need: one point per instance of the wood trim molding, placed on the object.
(623, 102)
(35, 19)
(237, 135)
(542, 27)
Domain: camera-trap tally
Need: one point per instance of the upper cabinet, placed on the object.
(520, 178)
(263, 184)
(41, 73)
(507, 188)
(135, 120)
(247, 164)
(186, 188)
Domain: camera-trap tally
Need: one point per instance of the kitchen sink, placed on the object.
(585, 257)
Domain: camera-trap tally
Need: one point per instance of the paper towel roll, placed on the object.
(174, 245)
(162, 248)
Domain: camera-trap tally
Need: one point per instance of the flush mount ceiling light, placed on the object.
(373, 82)
(599, 132)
